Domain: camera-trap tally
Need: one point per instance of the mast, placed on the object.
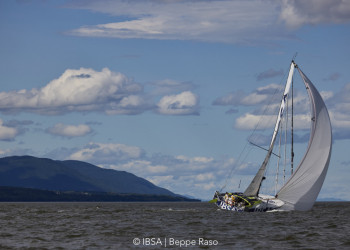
(254, 187)
(292, 132)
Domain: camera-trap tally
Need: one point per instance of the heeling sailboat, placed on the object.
(301, 190)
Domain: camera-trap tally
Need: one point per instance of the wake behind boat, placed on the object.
(301, 190)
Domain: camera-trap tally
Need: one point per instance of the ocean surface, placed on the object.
(169, 225)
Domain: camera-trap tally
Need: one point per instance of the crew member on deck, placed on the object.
(233, 198)
(226, 198)
(230, 201)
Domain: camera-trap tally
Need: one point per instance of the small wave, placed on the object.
(179, 210)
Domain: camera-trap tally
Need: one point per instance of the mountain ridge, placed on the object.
(70, 175)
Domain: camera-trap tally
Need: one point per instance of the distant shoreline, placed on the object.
(20, 194)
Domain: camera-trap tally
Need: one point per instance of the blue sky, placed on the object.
(167, 90)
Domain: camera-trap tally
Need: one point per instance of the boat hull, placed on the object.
(263, 203)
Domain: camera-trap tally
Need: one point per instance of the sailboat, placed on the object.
(301, 190)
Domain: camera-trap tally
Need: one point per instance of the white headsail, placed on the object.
(302, 189)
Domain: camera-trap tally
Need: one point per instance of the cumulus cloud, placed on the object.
(75, 90)
(185, 103)
(7, 133)
(13, 128)
(87, 90)
(69, 130)
(296, 13)
(195, 176)
(265, 101)
(106, 153)
(250, 121)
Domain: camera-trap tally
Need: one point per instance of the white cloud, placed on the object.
(15, 151)
(250, 121)
(205, 177)
(206, 186)
(326, 95)
(157, 169)
(76, 90)
(87, 90)
(338, 105)
(110, 153)
(254, 99)
(259, 96)
(180, 174)
(196, 176)
(161, 180)
(266, 108)
(266, 100)
(299, 12)
(129, 105)
(7, 133)
(226, 21)
(214, 21)
(340, 120)
(194, 159)
(69, 130)
(185, 103)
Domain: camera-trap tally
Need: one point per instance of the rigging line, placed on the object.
(255, 128)
(236, 165)
(271, 100)
(268, 105)
(295, 55)
(256, 145)
(233, 168)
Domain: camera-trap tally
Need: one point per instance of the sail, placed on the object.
(302, 189)
(253, 188)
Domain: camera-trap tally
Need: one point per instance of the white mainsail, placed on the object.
(302, 189)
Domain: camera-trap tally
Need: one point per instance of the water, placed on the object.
(169, 225)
